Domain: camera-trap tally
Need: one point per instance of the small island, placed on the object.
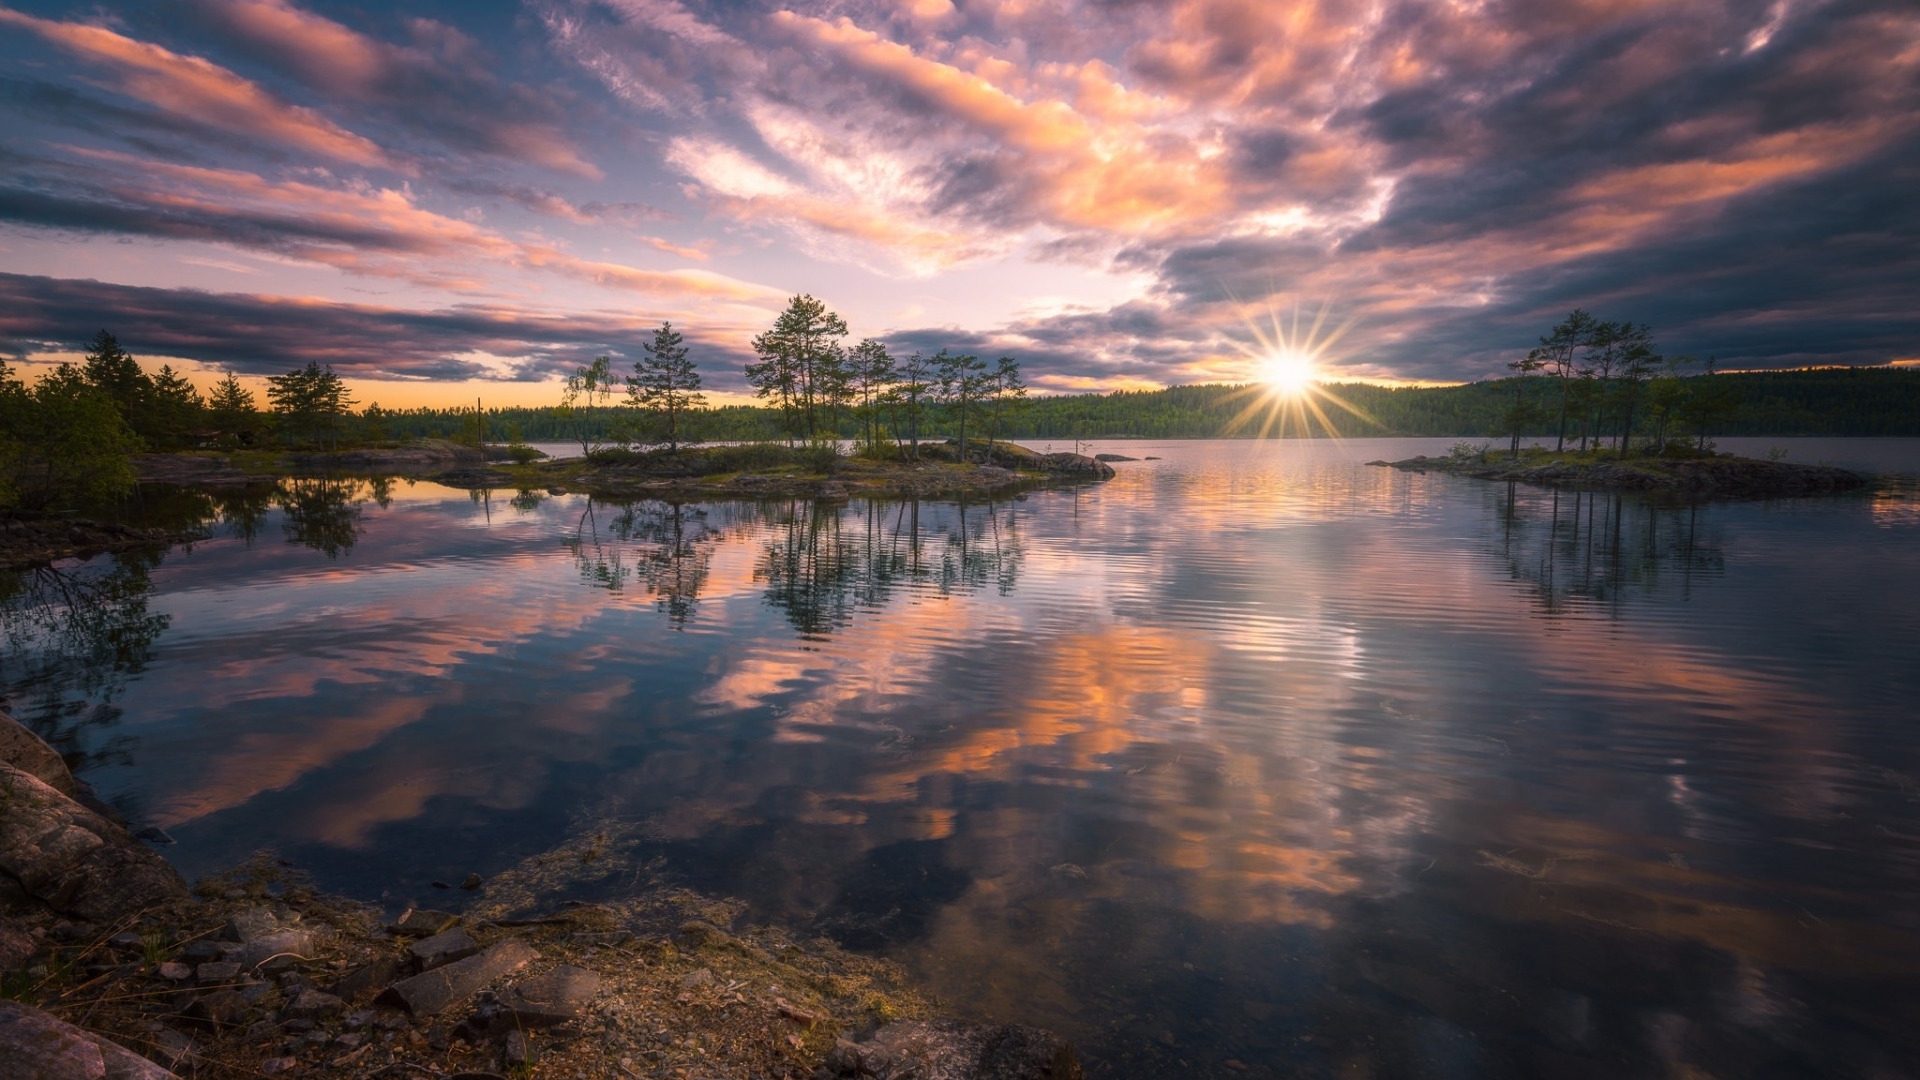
(1695, 474)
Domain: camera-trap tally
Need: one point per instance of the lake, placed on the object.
(1253, 761)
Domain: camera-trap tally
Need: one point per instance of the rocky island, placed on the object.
(1704, 475)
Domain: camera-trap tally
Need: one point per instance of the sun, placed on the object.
(1286, 397)
(1288, 372)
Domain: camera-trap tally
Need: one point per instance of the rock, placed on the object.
(275, 1065)
(37, 1045)
(219, 971)
(470, 882)
(515, 1052)
(73, 859)
(251, 924)
(175, 971)
(365, 981)
(199, 951)
(221, 1008)
(154, 834)
(443, 948)
(550, 999)
(313, 1005)
(440, 884)
(431, 992)
(696, 979)
(422, 922)
(22, 749)
(274, 952)
(16, 946)
(1113, 457)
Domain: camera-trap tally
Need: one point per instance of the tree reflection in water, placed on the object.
(825, 561)
(1591, 549)
(820, 562)
(73, 636)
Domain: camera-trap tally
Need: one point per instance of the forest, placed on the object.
(1833, 401)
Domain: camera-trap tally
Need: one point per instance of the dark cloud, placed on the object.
(262, 335)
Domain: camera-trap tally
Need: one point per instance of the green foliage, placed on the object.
(961, 381)
(665, 383)
(311, 403)
(66, 445)
(802, 369)
(232, 412)
(588, 387)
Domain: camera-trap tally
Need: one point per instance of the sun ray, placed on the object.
(1287, 396)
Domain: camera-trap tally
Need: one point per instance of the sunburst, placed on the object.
(1288, 397)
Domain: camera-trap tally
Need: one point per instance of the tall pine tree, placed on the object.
(665, 382)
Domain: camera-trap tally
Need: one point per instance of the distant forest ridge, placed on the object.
(1830, 401)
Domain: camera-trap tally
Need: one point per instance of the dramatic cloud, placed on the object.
(268, 335)
(1109, 190)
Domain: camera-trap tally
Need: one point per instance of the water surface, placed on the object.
(1252, 761)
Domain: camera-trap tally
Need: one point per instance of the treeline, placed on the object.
(1835, 401)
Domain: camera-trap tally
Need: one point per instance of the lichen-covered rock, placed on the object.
(40, 1046)
(72, 859)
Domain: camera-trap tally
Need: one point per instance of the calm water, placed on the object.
(1252, 761)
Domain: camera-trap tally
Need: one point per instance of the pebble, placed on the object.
(174, 971)
(275, 1065)
(703, 977)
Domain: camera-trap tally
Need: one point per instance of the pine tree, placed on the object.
(799, 364)
(962, 380)
(175, 410)
(873, 376)
(114, 372)
(232, 411)
(1007, 393)
(665, 382)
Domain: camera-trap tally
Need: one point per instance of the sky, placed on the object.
(471, 198)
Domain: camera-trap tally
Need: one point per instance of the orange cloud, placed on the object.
(204, 92)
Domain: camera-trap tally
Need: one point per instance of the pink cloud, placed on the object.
(201, 91)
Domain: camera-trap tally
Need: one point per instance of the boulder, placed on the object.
(72, 859)
(22, 749)
(41, 1046)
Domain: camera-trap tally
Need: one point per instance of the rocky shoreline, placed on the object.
(1719, 476)
(28, 542)
(114, 970)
